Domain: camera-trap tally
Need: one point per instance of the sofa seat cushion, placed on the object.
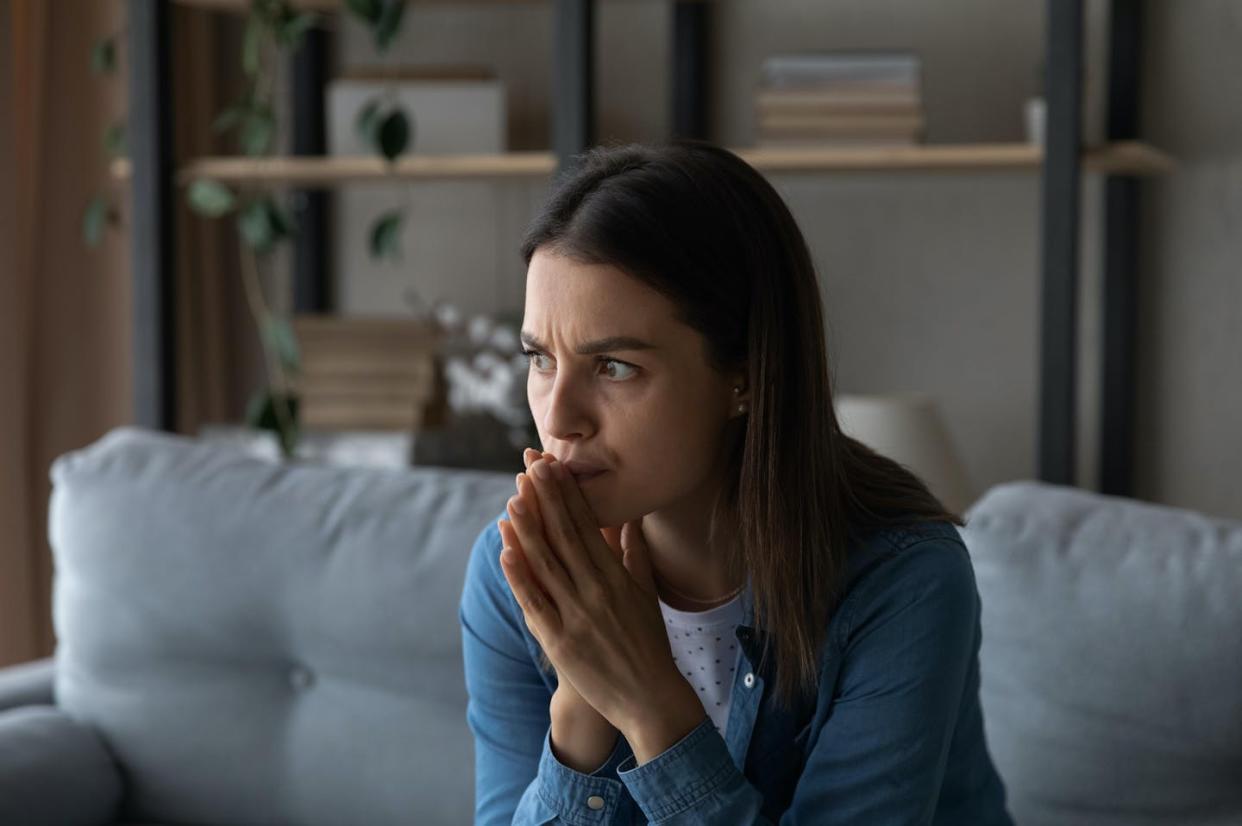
(54, 770)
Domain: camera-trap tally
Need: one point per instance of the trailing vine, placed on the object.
(273, 29)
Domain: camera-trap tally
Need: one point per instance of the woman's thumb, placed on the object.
(612, 535)
(635, 555)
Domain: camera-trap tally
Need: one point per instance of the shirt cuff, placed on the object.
(581, 799)
(678, 778)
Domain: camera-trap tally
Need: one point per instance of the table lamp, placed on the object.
(908, 428)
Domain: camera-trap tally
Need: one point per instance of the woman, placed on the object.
(712, 607)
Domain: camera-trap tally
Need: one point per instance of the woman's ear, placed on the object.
(740, 398)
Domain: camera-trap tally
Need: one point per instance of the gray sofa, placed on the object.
(241, 641)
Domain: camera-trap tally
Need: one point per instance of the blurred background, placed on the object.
(292, 227)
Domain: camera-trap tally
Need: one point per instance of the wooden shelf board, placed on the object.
(1124, 157)
(327, 170)
(1128, 157)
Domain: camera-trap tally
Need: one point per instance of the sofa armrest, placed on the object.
(27, 684)
(55, 770)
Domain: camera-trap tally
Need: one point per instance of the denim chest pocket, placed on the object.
(787, 736)
(775, 770)
(789, 751)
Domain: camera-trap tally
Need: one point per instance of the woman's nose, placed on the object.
(567, 414)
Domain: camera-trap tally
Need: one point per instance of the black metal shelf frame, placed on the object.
(149, 136)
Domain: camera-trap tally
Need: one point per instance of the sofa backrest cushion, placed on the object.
(1112, 656)
(262, 642)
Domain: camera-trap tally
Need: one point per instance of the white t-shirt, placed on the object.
(706, 650)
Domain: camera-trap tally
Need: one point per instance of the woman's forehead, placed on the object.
(567, 297)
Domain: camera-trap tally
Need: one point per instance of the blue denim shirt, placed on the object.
(895, 735)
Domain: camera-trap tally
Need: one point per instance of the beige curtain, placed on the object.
(218, 354)
(65, 308)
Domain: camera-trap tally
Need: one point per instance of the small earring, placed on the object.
(741, 408)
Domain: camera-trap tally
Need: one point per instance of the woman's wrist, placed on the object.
(581, 738)
(667, 717)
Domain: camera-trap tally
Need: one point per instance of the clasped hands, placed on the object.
(588, 597)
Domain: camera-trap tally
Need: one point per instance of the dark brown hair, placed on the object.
(704, 228)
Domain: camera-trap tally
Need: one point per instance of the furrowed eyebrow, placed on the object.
(593, 348)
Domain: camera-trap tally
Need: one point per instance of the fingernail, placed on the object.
(541, 470)
(517, 506)
(517, 480)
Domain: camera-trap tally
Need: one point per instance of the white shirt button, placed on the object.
(595, 801)
(749, 679)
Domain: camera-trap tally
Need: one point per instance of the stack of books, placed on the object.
(840, 99)
(368, 373)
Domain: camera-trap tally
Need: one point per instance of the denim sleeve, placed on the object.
(905, 639)
(694, 781)
(517, 777)
(560, 794)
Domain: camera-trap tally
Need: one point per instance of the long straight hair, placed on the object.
(705, 229)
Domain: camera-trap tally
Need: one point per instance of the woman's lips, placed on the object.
(583, 469)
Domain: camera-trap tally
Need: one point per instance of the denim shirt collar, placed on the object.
(861, 546)
(749, 636)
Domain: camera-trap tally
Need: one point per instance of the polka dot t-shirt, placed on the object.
(705, 648)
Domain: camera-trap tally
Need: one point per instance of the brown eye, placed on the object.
(621, 364)
(531, 355)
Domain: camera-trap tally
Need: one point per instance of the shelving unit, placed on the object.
(1123, 160)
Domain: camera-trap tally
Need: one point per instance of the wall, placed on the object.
(1190, 355)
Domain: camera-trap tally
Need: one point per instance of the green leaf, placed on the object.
(230, 117)
(95, 221)
(261, 415)
(256, 227)
(368, 10)
(251, 44)
(257, 130)
(386, 235)
(280, 337)
(114, 139)
(257, 122)
(262, 223)
(210, 198)
(282, 224)
(367, 122)
(103, 56)
(388, 23)
(291, 30)
(393, 134)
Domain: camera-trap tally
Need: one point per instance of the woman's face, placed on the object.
(647, 407)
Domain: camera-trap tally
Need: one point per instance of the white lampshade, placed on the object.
(908, 428)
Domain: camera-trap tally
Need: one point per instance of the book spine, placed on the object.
(844, 123)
